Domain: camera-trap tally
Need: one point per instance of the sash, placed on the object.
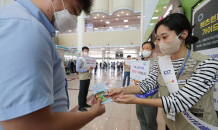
(170, 80)
(68, 101)
(149, 93)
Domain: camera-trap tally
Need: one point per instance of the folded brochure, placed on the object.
(101, 92)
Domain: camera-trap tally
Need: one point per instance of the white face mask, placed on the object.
(64, 20)
(146, 53)
(85, 54)
(171, 47)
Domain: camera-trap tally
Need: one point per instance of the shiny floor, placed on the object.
(117, 116)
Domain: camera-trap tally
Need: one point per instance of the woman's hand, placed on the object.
(127, 99)
(136, 81)
(116, 93)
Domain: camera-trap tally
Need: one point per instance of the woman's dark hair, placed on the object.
(178, 23)
(87, 5)
(85, 47)
(151, 43)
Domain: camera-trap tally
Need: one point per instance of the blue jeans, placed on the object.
(126, 74)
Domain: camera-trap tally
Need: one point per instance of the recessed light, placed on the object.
(69, 30)
(164, 7)
(154, 17)
(95, 17)
(116, 19)
(107, 22)
(122, 12)
(110, 27)
(138, 17)
(101, 20)
(127, 14)
(97, 14)
(103, 16)
(125, 21)
(118, 15)
(121, 48)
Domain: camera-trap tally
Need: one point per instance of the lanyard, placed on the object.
(184, 63)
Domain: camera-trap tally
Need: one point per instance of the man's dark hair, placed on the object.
(151, 43)
(85, 47)
(87, 5)
(128, 56)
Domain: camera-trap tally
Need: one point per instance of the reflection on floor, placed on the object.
(117, 116)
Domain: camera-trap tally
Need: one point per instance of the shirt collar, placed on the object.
(38, 14)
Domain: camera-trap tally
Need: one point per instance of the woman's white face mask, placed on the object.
(171, 47)
(64, 20)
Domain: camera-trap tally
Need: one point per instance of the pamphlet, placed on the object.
(101, 92)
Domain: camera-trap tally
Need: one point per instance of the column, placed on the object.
(80, 31)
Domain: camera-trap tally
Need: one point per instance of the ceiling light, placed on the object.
(107, 22)
(110, 27)
(127, 14)
(122, 12)
(118, 15)
(69, 30)
(125, 21)
(95, 17)
(101, 20)
(154, 17)
(156, 11)
(116, 19)
(151, 23)
(138, 17)
(126, 26)
(122, 48)
(164, 7)
(103, 16)
(97, 14)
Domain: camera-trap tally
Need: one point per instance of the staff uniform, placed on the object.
(147, 115)
(84, 77)
(38, 79)
(196, 95)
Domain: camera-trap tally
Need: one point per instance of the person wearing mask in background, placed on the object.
(96, 67)
(126, 72)
(147, 114)
(186, 87)
(84, 77)
(44, 105)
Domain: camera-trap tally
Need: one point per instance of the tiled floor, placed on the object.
(117, 116)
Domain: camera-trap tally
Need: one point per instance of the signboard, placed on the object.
(205, 19)
(128, 62)
(90, 62)
(139, 70)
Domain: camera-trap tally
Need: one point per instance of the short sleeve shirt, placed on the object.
(32, 74)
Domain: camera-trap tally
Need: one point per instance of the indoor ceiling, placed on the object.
(125, 50)
(99, 19)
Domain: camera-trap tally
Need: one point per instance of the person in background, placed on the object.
(84, 77)
(118, 65)
(69, 67)
(126, 72)
(105, 65)
(75, 66)
(136, 59)
(147, 114)
(121, 65)
(72, 67)
(96, 68)
(37, 99)
(100, 65)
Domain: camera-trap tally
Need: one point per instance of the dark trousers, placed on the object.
(83, 92)
(96, 69)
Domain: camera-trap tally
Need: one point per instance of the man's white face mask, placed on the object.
(64, 20)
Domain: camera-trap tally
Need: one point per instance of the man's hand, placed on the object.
(116, 93)
(90, 68)
(97, 108)
(136, 81)
(127, 99)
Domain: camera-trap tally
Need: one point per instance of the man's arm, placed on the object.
(78, 67)
(45, 119)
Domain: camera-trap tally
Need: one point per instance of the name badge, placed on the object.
(171, 116)
(181, 81)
